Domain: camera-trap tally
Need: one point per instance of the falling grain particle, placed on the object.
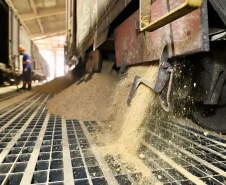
(142, 156)
(194, 84)
(94, 174)
(130, 124)
(206, 133)
(159, 177)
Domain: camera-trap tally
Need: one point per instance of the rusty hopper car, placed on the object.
(12, 35)
(187, 37)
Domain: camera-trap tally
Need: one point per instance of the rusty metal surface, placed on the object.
(179, 10)
(129, 42)
(188, 34)
(93, 21)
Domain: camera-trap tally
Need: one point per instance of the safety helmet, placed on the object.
(21, 48)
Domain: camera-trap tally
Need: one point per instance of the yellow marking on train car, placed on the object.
(185, 8)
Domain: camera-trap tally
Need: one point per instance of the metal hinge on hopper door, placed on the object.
(165, 73)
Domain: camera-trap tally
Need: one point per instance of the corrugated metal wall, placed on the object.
(25, 40)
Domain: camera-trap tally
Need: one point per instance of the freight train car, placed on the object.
(187, 37)
(40, 68)
(12, 35)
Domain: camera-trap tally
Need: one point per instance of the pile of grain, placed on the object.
(101, 99)
(124, 133)
(55, 86)
(111, 129)
(86, 100)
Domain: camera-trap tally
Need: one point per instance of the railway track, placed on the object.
(39, 148)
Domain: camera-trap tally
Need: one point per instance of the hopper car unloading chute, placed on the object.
(187, 37)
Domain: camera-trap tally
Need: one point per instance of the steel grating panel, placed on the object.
(202, 156)
(86, 169)
(39, 148)
(8, 108)
(7, 96)
(177, 154)
(18, 138)
(118, 170)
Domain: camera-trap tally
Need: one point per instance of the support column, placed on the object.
(55, 61)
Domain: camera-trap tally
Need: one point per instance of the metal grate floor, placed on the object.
(177, 154)
(9, 95)
(39, 148)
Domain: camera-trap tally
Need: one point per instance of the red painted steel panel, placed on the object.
(183, 36)
(186, 31)
(128, 41)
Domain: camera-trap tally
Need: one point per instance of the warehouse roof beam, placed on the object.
(41, 18)
(22, 22)
(48, 34)
(33, 6)
(43, 13)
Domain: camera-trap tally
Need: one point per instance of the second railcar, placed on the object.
(13, 34)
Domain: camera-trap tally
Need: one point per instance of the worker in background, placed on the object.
(26, 68)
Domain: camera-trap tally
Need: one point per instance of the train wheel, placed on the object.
(210, 112)
(210, 117)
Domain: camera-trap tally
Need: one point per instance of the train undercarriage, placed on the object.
(188, 44)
